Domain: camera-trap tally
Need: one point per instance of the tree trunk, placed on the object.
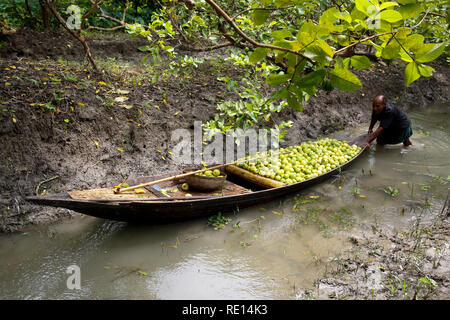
(44, 14)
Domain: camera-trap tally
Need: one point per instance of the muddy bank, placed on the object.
(410, 265)
(65, 128)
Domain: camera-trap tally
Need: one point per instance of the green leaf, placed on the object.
(325, 47)
(360, 62)
(277, 79)
(283, 44)
(294, 102)
(390, 16)
(313, 30)
(346, 63)
(406, 1)
(411, 73)
(144, 48)
(304, 38)
(429, 52)
(414, 42)
(316, 53)
(310, 90)
(411, 10)
(388, 5)
(357, 14)
(260, 16)
(266, 2)
(258, 55)
(299, 69)
(391, 51)
(344, 80)
(328, 17)
(279, 94)
(402, 33)
(344, 15)
(425, 70)
(283, 3)
(363, 6)
(281, 34)
(311, 79)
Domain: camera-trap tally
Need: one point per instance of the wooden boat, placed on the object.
(172, 205)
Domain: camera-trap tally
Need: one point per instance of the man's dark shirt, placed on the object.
(392, 118)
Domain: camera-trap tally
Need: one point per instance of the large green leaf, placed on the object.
(425, 70)
(346, 63)
(281, 34)
(294, 102)
(406, 1)
(390, 16)
(279, 94)
(411, 73)
(277, 79)
(258, 55)
(292, 60)
(410, 10)
(304, 38)
(357, 14)
(391, 51)
(260, 16)
(283, 44)
(314, 30)
(316, 53)
(363, 6)
(402, 33)
(344, 80)
(299, 69)
(360, 62)
(429, 52)
(266, 2)
(405, 56)
(325, 47)
(344, 15)
(385, 5)
(328, 17)
(311, 79)
(414, 42)
(283, 3)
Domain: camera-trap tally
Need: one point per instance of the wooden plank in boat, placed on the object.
(171, 188)
(264, 182)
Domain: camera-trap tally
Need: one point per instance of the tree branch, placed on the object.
(230, 21)
(89, 12)
(76, 34)
(121, 23)
(211, 48)
(340, 51)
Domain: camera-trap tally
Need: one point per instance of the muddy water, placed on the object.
(266, 252)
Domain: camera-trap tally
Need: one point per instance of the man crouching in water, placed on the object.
(395, 126)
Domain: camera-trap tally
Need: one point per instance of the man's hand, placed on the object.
(370, 131)
(366, 145)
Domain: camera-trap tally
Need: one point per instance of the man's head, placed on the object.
(379, 103)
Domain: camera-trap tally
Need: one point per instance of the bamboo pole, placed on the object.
(143, 185)
(118, 190)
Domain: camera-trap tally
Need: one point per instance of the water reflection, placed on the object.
(211, 275)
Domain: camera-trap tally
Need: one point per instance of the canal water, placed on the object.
(265, 252)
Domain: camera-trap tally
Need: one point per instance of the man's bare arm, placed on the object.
(373, 137)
